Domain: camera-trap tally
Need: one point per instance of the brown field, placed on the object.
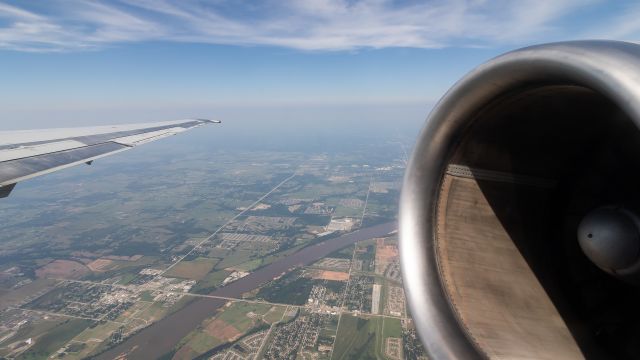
(385, 253)
(196, 269)
(86, 254)
(330, 275)
(221, 330)
(100, 265)
(65, 269)
(93, 255)
(16, 296)
(84, 260)
(124, 258)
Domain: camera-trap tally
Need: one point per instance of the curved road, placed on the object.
(161, 337)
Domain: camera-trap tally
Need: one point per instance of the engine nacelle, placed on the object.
(510, 162)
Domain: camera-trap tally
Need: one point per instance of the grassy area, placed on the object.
(101, 331)
(55, 339)
(237, 314)
(126, 278)
(211, 281)
(343, 211)
(154, 312)
(200, 343)
(274, 314)
(91, 338)
(17, 295)
(360, 338)
(133, 311)
(49, 300)
(146, 296)
(344, 253)
(235, 258)
(249, 265)
(195, 269)
(214, 331)
(392, 328)
(366, 252)
(31, 330)
(282, 254)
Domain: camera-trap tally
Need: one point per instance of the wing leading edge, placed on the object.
(31, 153)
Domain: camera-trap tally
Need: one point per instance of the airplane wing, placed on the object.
(30, 153)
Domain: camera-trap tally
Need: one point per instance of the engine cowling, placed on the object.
(509, 164)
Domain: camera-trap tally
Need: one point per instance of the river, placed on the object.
(162, 336)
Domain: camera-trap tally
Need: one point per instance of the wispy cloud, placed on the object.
(307, 25)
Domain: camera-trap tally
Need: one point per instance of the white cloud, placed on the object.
(305, 25)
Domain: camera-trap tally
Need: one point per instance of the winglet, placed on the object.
(210, 121)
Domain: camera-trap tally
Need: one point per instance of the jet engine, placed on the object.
(519, 230)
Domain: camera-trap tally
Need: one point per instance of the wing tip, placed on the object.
(209, 121)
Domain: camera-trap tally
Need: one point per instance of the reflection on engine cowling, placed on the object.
(510, 164)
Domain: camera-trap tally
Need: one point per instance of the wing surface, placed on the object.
(30, 153)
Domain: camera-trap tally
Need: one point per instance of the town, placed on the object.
(87, 295)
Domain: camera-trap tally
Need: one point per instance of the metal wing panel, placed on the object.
(139, 139)
(21, 169)
(27, 154)
(89, 135)
(39, 149)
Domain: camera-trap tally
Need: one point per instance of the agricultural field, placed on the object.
(26, 293)
(63, 269)
(334, 264)
(211, 281)
(90, 340)
(364, 338)
(236, 320)
(52, 340)
(195, 269)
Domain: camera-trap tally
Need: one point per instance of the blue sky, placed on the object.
(87, 62)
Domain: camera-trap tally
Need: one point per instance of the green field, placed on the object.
(211, 281)
(392, 328)
(31, 330)
(195, 269)
(126, 278)
(274, 314)
(234, 258)
(237, 314)
(55, 339)
(345, 253)
(89, 339)
(146, 296)
(249, 265)
(361, 338)
(15, 296)
(149, 312)
(199, 343)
